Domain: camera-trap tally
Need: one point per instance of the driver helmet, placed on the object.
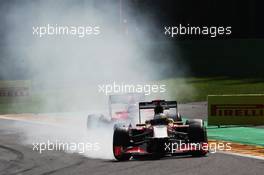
(158, 109)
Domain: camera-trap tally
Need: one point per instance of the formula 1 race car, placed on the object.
(122, 108)
(164, 134)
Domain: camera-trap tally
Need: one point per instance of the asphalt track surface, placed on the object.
(16, 158)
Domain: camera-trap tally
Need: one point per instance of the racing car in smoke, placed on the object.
(163, 133)
(122, 108)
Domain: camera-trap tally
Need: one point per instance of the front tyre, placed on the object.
(197, 134)
(121, 141)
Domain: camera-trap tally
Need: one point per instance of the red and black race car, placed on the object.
(163, 133)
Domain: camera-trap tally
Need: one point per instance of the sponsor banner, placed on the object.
(235, 109)
(14, 89)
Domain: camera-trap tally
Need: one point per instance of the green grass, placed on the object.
(197, 89)
(246, 135)
(180, 89)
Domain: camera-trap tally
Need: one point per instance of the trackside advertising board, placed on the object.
(235, 109)
(14, 90)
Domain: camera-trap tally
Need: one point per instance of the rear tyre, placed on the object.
(197, 134)
(121, 141)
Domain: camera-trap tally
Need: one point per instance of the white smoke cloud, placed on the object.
(111, 55)
(79, 64)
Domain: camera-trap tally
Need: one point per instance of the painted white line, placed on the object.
(242, 155)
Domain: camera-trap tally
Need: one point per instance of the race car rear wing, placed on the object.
(153, 104)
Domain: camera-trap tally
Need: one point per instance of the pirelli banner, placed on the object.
(235, 109)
